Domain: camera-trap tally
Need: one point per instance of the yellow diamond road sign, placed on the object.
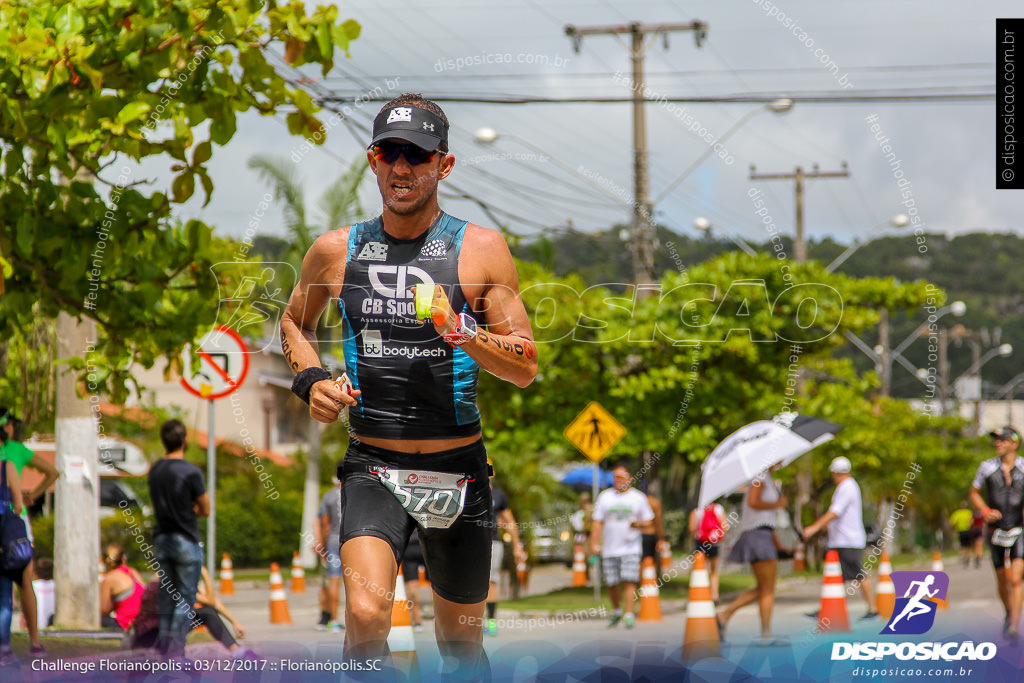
(595, 432)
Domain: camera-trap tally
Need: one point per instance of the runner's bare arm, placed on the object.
(323, 270)
(506, 348)
(979, 504)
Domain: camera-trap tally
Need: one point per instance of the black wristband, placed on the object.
(305, 380)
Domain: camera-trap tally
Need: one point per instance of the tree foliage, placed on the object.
(90, 88)
(717, 347)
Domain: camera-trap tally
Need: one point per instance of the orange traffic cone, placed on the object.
(650, 604)
(227, 576)
(799, 562)
(937, 567)
(832, 615)
(579, 567)
(886, 602)
(400, 640)
(522, 574)
(666, 556)
(422, 578)
(278, 602)
(298, 575)
(701, 637)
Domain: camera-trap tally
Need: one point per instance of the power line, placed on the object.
(964, 66)
(899, 95)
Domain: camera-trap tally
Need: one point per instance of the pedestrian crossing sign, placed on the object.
(595, 432)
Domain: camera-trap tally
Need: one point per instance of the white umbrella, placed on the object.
(754, 448)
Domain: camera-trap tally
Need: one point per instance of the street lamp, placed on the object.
(778, 106)
(974, 370)
(1009, 391)
(488, 136)
(884, 357)
(704, 225)
(900, 220)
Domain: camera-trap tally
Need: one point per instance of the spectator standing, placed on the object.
(619, 515)
(179, 496)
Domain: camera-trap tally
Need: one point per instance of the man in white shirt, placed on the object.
(846, 536)
(619, 514)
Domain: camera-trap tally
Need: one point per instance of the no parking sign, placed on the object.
(223, 365)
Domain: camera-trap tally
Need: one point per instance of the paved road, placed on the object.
(973, 608)
(566, 648)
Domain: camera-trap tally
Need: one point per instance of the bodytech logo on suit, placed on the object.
(375, 347)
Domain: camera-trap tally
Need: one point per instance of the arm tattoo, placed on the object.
(524, 348)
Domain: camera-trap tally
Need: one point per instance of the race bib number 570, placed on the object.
(434, 499)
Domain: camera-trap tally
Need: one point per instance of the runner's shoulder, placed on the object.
(483, 239)
(332, 244)
(325, 260)
(987, 467)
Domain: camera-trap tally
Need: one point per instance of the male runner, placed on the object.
(1001, 481)
(416, 446)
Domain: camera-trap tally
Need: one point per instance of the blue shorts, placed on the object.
(333, 562)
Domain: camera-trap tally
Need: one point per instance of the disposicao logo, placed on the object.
(915, 611)
(914, 614)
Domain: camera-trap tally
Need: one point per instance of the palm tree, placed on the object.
(339, 205)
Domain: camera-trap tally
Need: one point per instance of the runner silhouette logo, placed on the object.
(914, 613)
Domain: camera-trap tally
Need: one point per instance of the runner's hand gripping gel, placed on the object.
(344, 383)
(425, 298)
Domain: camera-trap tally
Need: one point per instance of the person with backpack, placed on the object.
(10, 501)
(708, 527)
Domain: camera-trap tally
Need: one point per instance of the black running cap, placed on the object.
(412, 124)
(1005, 434)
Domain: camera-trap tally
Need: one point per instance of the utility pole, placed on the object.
(798, 176)
(644, 238)
(76, 546)
(803, 475)
(886, 355)
(943, 368)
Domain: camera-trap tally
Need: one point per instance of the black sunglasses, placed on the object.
(388, 152)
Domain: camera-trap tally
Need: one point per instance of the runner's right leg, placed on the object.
(370, 572)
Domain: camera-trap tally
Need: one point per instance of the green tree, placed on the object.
(26, 372)
(91, 85)
(682, 369)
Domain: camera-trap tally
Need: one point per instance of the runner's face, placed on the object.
(621, 479)
(405, 188)
(1004, 446)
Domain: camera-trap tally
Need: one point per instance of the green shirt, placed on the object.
(16, 452)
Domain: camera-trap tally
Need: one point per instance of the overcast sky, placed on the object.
(944, 148)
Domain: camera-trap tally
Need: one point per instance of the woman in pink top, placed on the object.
(120, 592)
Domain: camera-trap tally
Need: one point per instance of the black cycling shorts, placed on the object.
(1000, 554)
(411, 562)
(458, 558)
